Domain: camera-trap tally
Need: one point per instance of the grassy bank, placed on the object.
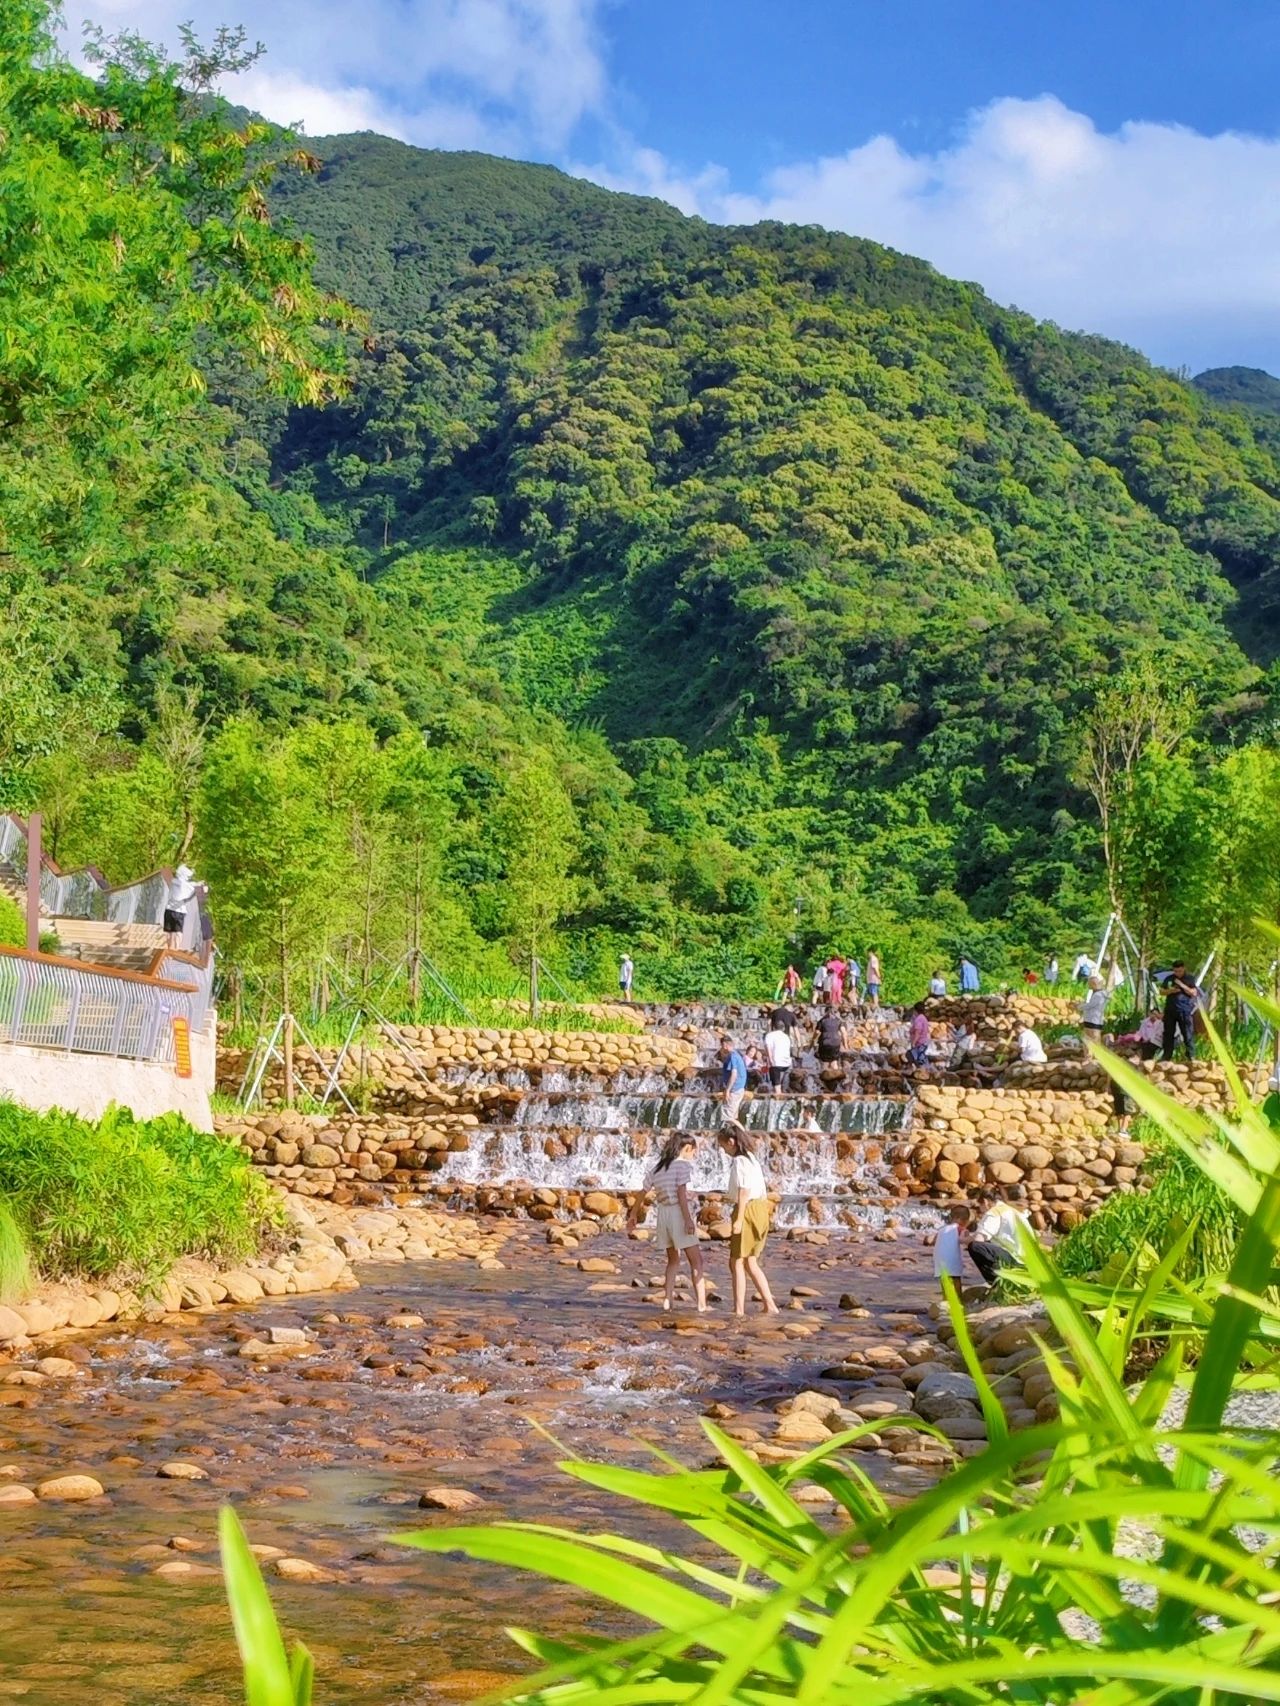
(120, 1197)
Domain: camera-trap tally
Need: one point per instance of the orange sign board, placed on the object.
(182, 1047)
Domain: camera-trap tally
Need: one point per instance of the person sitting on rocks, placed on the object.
(997, 1242)
(964, 1044)
(676, 1230)
(1030, 1048)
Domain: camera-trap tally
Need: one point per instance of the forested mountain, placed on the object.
(793, 563)
(1253, 387)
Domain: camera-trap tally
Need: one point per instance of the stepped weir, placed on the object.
(571, 1133)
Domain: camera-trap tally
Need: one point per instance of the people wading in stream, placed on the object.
(676, 1229)
(749, 1223)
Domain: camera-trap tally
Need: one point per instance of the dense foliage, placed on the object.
(730, 594)
(125, 1198)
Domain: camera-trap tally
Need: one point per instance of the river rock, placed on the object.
(302, 1570)
(182, 1472)
(802, 1427)
(449, 1499)
(596, 1265)
(70, 1488)
(12, 1325)
(945, 1392)
(58, 1368)
(12, 1494)
(287, 1336)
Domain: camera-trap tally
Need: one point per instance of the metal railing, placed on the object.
(87, 894)
(59, 1004)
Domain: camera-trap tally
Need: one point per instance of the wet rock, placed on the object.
(58, 1368)
(449, 1499)
(945, 1392)
(13, 1494)
(177, 1471)
(849, 1301)
(801, 1427)
(821, 1404)
(596, 1265)
(404, 1321)
(183, 1570)
(287, 1336)
(12, 1325)
(302, 1570)
(70, 1488)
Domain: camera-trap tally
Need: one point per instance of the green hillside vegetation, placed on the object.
(741, 592)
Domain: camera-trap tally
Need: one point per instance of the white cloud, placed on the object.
(510, 75)
(1153, 233)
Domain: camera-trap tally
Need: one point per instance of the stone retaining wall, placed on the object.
(1054, 1144)
(388, 1076)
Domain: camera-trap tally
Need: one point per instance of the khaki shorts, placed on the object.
(671, 1232)
(732, 1102)
(755, 1229)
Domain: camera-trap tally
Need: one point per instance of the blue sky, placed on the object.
(1113, 167)
(759, 82)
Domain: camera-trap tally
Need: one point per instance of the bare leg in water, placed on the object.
(696, 1273)
(739, 1270)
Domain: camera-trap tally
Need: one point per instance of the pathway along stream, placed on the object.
(326, 1452)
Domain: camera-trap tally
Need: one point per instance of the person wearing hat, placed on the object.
(1093, 1012)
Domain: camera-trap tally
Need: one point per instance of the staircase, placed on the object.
(124, 947)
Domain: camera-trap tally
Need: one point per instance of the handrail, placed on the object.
(97, 970)
(94, 871)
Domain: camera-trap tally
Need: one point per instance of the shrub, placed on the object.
(15, 1259)
(126, 1197)
(1145, 1224)
(13, 923)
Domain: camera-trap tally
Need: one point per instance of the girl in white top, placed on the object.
(1094, 1011)
(749, 1226)
(669, 1182)
(1030, 1048)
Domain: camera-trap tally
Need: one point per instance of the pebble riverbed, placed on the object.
(325, 1450)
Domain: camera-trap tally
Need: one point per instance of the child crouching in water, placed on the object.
(948, 1251)
(676, 1230)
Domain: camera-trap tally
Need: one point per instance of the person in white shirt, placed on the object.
(948, 1249)
(777, 1048)
(626, 971)
(1030, 1048)
(1093, 1012)
(180, 896)
(997, 1239)
(1051, 972)
(749, 1226)
(676, 1230)
(937, 984)
(819, 984)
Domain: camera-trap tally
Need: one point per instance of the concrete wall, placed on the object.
(88, 1084)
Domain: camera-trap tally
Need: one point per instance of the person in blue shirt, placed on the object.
(968, 976)
(733, 1078)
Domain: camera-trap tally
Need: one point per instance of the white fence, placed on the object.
(47, 1003)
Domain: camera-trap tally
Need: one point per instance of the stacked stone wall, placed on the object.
(387, 1074)
(1054, 1144)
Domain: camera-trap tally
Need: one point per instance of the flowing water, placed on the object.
(325, 1455)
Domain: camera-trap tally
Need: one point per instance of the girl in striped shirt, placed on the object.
(676, 1231)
